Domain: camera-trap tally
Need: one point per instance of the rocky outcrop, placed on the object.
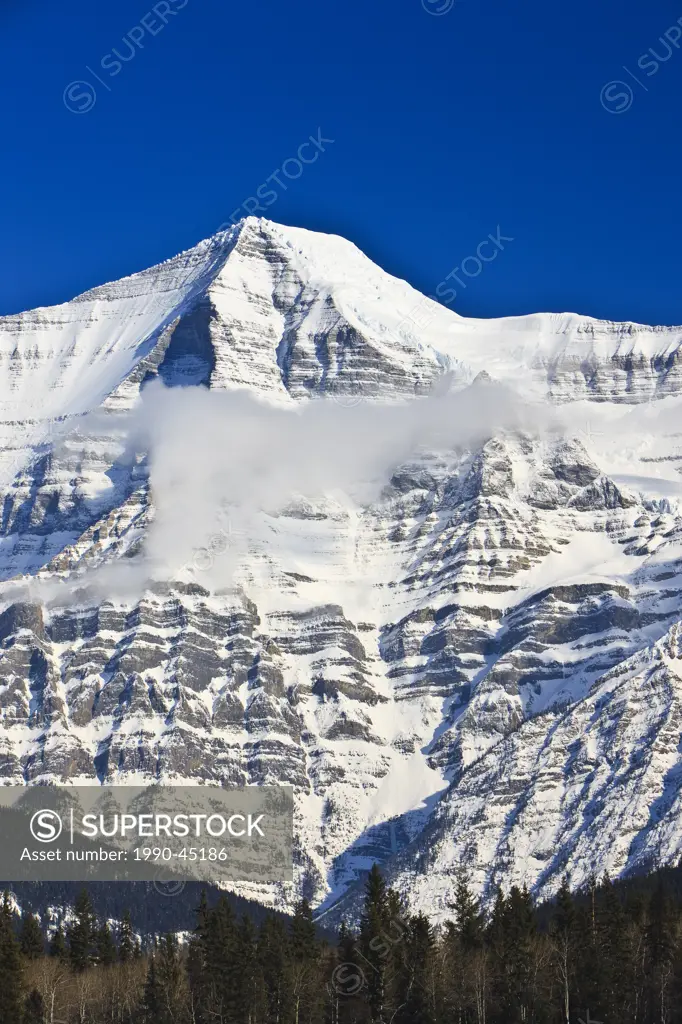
(456, 671)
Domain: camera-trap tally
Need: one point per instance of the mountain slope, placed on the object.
(594, 789)
(387, 657)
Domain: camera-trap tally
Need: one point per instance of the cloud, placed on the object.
(217, 450)
(219, 459)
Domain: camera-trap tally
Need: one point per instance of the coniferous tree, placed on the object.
(637, 907)
(497, 940)
(418, 995)
(565, 940)
(587, 972)
(162, 996)
(82, 933)
(34, 1008)
(272, 952)
(552, 966)
(105, 947)
(246, 972)
(302, 933)
(214, 961)
(661, 948)
(374, 920)
(382, 930)
(126, 942)
(304, 959)
(11, 967)
(152, 1001)
(169, 974)
(348, 981)
(468, 974)
(31, 939)
(451, 971)
(611, 996)
(470, 920)
(515, 931)
(201, 984)
(57, 944)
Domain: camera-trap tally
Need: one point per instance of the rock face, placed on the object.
(577, 792)
(480, 666)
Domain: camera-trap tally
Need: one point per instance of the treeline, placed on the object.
(613, 954)
(154, 907)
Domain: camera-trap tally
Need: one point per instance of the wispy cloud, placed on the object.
(218, 460)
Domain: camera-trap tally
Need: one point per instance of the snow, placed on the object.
(432, 579)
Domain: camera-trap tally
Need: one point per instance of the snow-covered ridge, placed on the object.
(74, 354)
(409, 664)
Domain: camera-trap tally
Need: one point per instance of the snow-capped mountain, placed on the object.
(479, 666)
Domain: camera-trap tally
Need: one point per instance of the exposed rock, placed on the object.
(497, 620)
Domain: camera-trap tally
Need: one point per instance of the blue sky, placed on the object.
(449, 120)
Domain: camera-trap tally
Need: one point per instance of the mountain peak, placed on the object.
(443, 670)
